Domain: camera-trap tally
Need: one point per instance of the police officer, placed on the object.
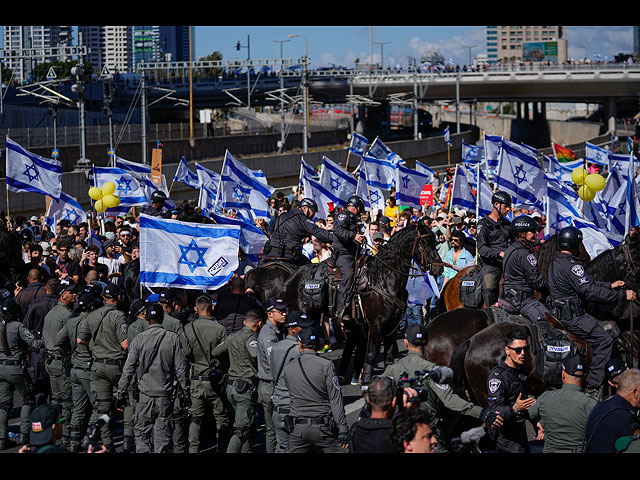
(242, 348)
(158, 199)
(493, 238)
(346, 247)
(290, 229)
(415, 340)
(562, 413)
(281, 354)
(317, 408)
(80, 375)
(569, 286)
(57, 360)
(105, 332)
(156, 359)
(507, 394)
(521, 273)
(270, 334)
(203, 335)
(14, 338)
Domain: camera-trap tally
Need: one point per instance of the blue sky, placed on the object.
(341, 45)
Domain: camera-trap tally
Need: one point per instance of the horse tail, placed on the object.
(459, 383)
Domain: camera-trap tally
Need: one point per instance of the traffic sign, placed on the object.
(105, 72)
(51, 74)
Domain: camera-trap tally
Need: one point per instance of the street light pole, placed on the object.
(281, 149)
(382, 44)
(305, 132)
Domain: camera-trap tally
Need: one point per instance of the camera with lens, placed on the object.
(441, 375)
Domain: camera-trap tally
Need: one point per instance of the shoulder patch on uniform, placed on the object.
(253, 343)
(578, 270)
(342, 216)
(336, 382)
(531, 258)
(494, 384)
(442, 386)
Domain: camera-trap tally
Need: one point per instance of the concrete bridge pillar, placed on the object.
(610, 113)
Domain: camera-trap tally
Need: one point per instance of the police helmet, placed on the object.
(501, 197)
(158, 196)
(524, 223)
(309, 202)
(355, 201)
(569, 238)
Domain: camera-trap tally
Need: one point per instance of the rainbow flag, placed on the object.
(563, 154)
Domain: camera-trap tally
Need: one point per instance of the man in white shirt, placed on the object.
(113, 257)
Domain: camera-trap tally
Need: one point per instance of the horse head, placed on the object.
(424, 251)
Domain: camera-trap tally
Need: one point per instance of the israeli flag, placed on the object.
(409, 185)
(358, 144)
(323, 197)
(485, 194)
(28, 172)
(187, 255)
(380, 173)
(621, 159)
(517, 169)
(372, 196)
(612, 184)
(130, 190)
(562, 213)
(422, 168)
(379, 150)
(185, 175)
(150, 187)
(65, 208)
(492, 150)
(446, 136)
(240, 188)
(597, 155)
(337, 180)
(137, 170)
(252, 239)
(461, 196)
(421, 288)
(597, 212)
(561, 170)
(472, 154)
(207, 177)
(207, 200)
(633, 204)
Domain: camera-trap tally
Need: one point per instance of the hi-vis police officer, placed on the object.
(290, 228)
(569, 286)
(521, 273)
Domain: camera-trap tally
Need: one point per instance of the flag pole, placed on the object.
(346, 167)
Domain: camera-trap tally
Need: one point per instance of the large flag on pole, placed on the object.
(358, 144)
(520, 175)
(337, 181)
(379, 150)
(252, 239)
(380, 173)
(563, 154)
(461, 196)
(187, 255)
(207, 177)
(130, 190)
(472, 154)
(595, 154)
(138, 170)
(422, 168)
(409, 185)
(65, 208)
(323, 197)
(28, 172)
(185, 175)
(372, 196)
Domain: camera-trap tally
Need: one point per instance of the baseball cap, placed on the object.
(42, 419)
(416, 334)
(34, 218)
(68, 287)
(154, 297)
(297, 318)
(309, 336)
(614, 367)
(573, 365)
(378, 236)
(154, 311)
(167, 296)
(85, 301)
(111, 291)
(276, 303)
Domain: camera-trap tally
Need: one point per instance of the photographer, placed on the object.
(432, 391)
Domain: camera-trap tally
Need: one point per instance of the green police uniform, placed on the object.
(563, 414)
(156, 359)
(268, 336)
(242, 347)
(80, 379)
(178, 420)
(59, 379)
(105, 329)
(203, 335)
(14, 376)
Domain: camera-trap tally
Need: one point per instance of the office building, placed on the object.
(515, 44)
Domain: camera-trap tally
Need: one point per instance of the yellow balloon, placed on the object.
(110, 201)
(108, 188)
(586, 194)
(117, 201)
(95, 193)
(99, 206)
(595, 182)
(578, 175)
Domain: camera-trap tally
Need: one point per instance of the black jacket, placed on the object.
(492, 238)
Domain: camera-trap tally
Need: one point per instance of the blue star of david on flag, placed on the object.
(378, 173)
(558, 224)
(28, 172)
(192, 247)
(405, 181)
(71, 215)
(237, 193)
(375, 196)
(520, 174)
(335, 184)
(127, 185)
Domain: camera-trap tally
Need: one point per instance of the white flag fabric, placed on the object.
(138, 170)
(315, 190)
(252, 239)
(65, 208)
(28, 172)
(379, 150)
(472, 154)
(492, 150)
(236, 186)
(337, 180)
(421, 289)
(515, 172)
(380, 173)
(187, 255)
(461, 196)
(372, 196)
(422, 168)
(595, 154)
(409, 185)
(130, 190)
(358, 144)
(207, 177)
(185, 175)
(485, 194)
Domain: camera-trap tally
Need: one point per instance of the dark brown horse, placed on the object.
(268, 280)
(382, 305)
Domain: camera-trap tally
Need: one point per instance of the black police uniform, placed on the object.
(153, 211)
(504, 384)
(521, 278)
(569, 285)
(289, 230)
(345, 250)
(492, 238)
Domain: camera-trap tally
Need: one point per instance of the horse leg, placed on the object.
(373, 347)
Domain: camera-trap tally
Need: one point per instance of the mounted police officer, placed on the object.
(290, 229)
(521, 273)
(158, 199)
(346, 247)
(493, 238)
(569, 287)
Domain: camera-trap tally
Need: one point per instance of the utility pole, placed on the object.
(143, 120)
(282, 136)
